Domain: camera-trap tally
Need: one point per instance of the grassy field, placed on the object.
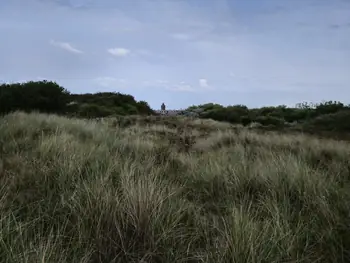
(169, 190)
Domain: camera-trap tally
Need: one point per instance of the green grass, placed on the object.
(169, 190)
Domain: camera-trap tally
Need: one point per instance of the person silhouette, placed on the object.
(163, 106)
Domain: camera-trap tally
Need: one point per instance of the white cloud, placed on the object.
(119, 52)
(66, 46)
(203, 83)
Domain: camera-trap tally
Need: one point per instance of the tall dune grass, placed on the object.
(83, 191)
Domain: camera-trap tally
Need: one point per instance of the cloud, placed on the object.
(66, 46)
(119, 52)
(203, 83)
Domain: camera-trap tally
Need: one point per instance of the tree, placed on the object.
(44, 96)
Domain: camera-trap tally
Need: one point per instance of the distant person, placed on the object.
(163, 106)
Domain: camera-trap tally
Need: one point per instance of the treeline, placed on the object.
(327, 116)
(49, 97)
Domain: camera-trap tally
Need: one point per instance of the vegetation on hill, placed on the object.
(169, 190)
(45, 96)
(105, 104)
(49, 97)
(327, 116)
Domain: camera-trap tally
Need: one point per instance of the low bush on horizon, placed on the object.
(49, 97)
(74, 190)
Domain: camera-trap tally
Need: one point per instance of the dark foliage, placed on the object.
(326, 116)
(43, 96)
(104, 104)
(334, 122)
(49, 97)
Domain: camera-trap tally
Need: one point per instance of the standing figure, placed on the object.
(162, 107)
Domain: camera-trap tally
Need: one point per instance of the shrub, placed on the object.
(270, 120)
(43, 96)
(49, 97)
(338, 122)
(89, 110)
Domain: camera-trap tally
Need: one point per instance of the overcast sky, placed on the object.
(182, 52)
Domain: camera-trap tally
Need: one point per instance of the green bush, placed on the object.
(338, 122)
(43, 96)
(49, 97)
(246, 120)
(93, 111)
(270, 120)
(329, 107)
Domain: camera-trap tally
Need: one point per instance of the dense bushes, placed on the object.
(43, 96)
(269, 120)
(104, 104)
(326, 116)
(49, 97)
(335, 122)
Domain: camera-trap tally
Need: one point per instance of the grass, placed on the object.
(169, 190)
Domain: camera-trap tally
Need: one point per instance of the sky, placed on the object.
(182, 52)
